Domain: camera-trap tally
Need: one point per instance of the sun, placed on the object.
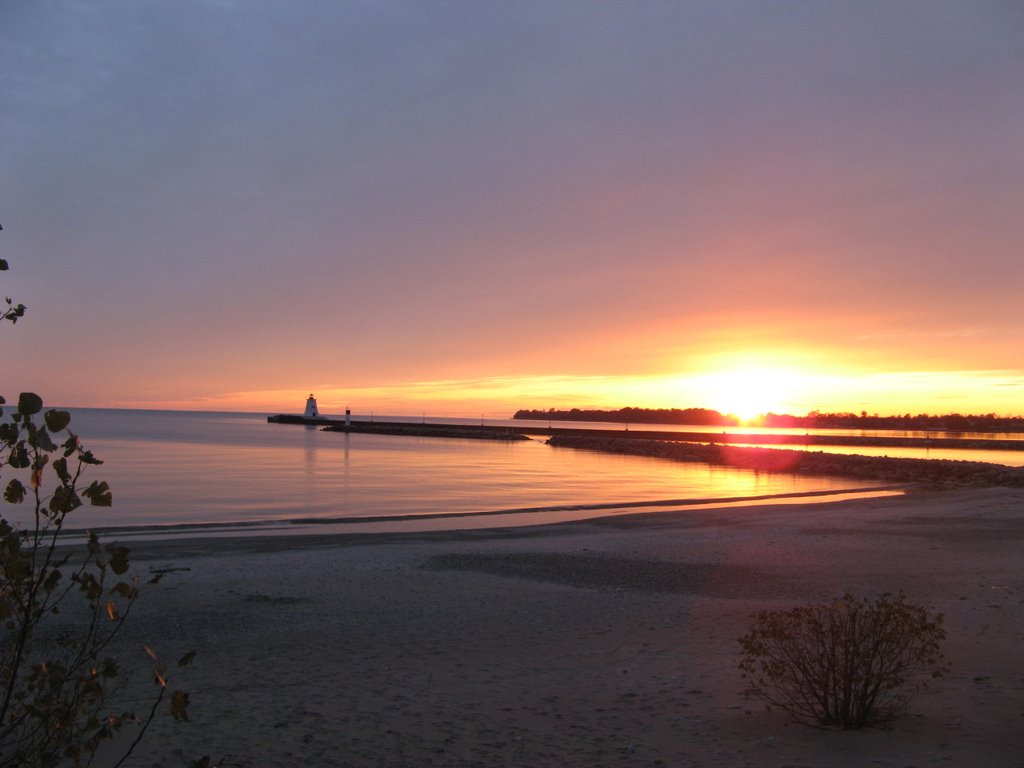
(748, 393)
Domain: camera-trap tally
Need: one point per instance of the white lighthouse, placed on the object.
(312, 412)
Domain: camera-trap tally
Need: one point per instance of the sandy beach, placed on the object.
(609, 642)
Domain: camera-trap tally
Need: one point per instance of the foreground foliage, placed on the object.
(845, 664)
(61, 608)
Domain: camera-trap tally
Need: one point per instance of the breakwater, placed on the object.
(405, 429)
(520, 432)
(470, 432)
(933, 472)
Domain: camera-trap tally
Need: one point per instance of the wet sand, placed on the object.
(604, 643)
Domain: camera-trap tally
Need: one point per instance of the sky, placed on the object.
(466, 208)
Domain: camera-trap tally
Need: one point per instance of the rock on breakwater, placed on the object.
(935, 472)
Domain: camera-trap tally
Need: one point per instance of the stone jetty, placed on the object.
(941, 473)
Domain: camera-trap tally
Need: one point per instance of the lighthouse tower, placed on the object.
(312, 412)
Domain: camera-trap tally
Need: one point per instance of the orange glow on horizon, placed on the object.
(742, 387)
(751, 392)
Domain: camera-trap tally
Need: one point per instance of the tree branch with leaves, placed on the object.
(61, 607)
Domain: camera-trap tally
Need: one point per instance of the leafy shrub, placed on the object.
(57, 678)
(60, 607)
(845, 664)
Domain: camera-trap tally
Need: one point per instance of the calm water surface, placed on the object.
(231, 468)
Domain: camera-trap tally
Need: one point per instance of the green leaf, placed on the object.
(118, 557)
(99, 494)
(17, 568)
(124, 589)
(64, 500)
(86, 457)
(3, 265)
(19, 458)
(42, 441)
(13, 313)
(60, 466)
(14, 493)
(29, 403)
(179, 705)
(9, 433)
(57, 420)
(109, 668)
(185, 660)
(88, 584)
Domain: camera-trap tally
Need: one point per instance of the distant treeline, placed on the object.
(950, 422)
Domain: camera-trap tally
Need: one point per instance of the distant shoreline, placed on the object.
(950, 422)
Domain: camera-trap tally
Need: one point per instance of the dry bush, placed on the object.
(848, 663)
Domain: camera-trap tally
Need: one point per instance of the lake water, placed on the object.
(231, 469)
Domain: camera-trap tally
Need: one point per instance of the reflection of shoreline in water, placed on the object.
(813, 463)
(454, 521)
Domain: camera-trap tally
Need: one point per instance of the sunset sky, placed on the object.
(464, 208)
